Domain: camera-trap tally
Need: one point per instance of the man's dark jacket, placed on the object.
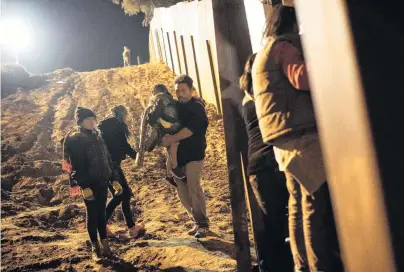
(193, 116)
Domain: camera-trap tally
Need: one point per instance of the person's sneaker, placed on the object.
(201, 232)
(178, 172)
(106, 250)
(137, 230)
(170, 181)
(110, 234)
(96, 252)
(193, 230)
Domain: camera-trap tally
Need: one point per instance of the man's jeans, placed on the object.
(312, 232)
(191, 194)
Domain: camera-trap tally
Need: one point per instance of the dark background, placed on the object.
(81, 34)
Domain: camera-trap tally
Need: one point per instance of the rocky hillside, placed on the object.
(43, 229)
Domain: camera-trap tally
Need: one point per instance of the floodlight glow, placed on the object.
(15, 34)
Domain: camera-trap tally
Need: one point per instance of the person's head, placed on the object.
(86, 118)
(125, 48)
(281, 21)
(183, 87)
(246, 77)
(159, 88)
(120, 112)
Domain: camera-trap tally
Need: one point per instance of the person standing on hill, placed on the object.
(191, 153)
(126, 57)
(91, 170)
(115, 133)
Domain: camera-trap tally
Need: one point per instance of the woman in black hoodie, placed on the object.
(115, 133)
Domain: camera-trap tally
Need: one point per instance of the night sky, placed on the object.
(82, 34)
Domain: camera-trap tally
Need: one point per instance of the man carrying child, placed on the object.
(191, 153)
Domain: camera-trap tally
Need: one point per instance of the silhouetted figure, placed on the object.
(126, 56)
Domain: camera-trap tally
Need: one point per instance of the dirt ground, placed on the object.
(43, 229)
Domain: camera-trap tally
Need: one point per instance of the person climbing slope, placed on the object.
(91, 172)
(115, 133)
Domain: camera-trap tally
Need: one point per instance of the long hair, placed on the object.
(246, 77)
(281, 21)
(118, 111)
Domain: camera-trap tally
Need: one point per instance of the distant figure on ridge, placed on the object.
(126, 56)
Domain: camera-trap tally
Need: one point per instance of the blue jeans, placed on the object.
(313, 238)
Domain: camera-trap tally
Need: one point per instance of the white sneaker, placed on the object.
(202, 232)
(193, 230)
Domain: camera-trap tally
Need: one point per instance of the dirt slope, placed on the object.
(43, 229)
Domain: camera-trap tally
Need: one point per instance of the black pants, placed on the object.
(123, 199)
(96, 222)
(272, 196)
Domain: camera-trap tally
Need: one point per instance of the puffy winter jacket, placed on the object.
(282, 110)
(89, 157)
(164, 114)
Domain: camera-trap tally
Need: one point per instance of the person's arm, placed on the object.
(114, 174)
(127, 147)
(181, 135)
(294, 67)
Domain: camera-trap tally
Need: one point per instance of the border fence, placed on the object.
(357, 97)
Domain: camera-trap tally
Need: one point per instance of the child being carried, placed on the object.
(163, 117)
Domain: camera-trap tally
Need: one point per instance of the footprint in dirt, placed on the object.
(58, 219)
(43, 239)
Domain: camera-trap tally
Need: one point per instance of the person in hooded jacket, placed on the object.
(115, 133)
(91, 171)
